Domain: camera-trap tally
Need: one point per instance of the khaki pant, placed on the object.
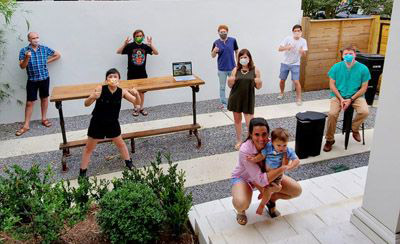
(359, 105)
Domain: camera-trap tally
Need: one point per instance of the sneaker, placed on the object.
(328, 146)
(280, 96)
(299, 102)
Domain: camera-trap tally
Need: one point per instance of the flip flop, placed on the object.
(143, 112)
(46, 123)
(21, 131)
(135, 112)
(241, 219)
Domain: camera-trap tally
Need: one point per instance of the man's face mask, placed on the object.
(297, 34)
(223, 35)
(139, 40)
(348, 58)
(35, 41)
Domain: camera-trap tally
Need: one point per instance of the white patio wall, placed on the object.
(87, 35)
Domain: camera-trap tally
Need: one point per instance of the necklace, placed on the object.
(244, 72)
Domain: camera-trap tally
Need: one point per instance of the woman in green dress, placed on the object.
(244, 80)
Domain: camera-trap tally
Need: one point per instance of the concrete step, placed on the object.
(325, 201)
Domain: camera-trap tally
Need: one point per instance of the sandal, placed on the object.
(21, 131)
(143, 112)
(46, 123)
(273, 213)
(241, 219)
(135, 112)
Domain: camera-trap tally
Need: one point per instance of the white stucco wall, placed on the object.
(87, 35)
(383, 200)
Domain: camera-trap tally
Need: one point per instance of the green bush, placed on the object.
(33, 206)
(169, 188)
(129, 213)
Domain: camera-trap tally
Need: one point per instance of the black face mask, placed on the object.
(223, 36)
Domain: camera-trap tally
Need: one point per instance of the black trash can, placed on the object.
(309, 132)
(374, 62)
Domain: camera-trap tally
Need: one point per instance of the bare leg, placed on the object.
(282, 86)
(247, 118)
(290, 189)
(241, 200)
(44, 104)
(121, 147)
(141, 100)
(298, 89)
(265, 198)
(28, 113)
(238, 127)
(87, 152)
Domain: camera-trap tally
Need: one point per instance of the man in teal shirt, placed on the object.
(348, 81)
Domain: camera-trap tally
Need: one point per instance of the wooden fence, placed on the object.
(325, 39)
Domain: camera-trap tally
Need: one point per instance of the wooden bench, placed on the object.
(65, 93)
(138, 134)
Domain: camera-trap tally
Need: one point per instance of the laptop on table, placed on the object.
(182, 71)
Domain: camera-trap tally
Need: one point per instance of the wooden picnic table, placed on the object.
(82, 91)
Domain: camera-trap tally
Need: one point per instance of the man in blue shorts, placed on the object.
(294, 47)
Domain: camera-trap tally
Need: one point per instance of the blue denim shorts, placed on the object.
(237, 180)
(294, 70)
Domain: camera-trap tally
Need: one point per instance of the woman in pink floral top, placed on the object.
(248, 175)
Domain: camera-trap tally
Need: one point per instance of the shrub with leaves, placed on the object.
(130, 213)
(33, 206)
(169, 188)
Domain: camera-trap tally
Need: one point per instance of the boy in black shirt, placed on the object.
(137, 54)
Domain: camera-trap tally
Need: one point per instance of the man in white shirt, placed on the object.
(293, 47)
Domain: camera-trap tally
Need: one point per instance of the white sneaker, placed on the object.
(280, 96)
(299, 102)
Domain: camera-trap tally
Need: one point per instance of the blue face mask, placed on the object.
(348, 58)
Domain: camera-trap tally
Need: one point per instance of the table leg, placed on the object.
(133, 145)
(66, 152)
(195, 132)
(194, 90)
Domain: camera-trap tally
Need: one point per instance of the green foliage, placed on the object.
(333, 7)
(32, 205)
(130, 213)
(169, 188)
(7, 9)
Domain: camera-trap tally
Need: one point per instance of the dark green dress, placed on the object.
(242, 96)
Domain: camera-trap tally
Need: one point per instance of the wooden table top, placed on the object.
(71, 92)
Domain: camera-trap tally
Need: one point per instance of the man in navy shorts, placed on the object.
(34, 58)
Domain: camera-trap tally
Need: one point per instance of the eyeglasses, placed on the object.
(223, 32)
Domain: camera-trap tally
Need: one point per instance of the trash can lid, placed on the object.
(310, 116)
(370, 56)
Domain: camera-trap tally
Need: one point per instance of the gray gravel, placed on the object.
(7, 131)
(222, 189)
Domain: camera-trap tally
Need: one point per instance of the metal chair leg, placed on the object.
(362, 127)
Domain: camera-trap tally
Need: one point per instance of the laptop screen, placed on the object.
(182, 68)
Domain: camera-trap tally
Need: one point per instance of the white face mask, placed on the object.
(35, 42)
(244, 61)
(297, 34)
